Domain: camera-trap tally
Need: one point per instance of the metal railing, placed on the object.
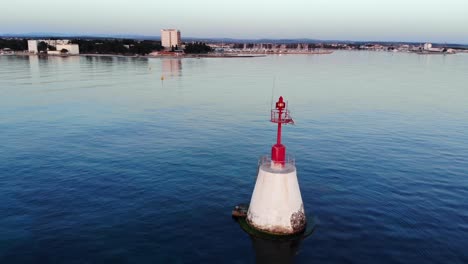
(266, 161)
(285, 116)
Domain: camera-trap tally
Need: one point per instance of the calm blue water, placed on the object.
(102, 162)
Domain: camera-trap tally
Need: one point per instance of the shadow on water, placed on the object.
(274, 251)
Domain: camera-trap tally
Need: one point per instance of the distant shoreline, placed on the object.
(175, 57)
(142, 56)
(226, 55)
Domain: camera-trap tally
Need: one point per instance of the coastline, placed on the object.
(142, 56)
(225, 55)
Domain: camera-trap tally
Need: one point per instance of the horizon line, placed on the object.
(123, 35)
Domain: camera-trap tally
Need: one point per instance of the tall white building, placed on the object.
(32, 46)
(170, 38)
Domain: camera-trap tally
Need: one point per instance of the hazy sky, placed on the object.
(406, 20)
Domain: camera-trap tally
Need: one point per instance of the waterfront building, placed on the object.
(6, 51)
(73, 49)
(170, 38)
(32, 46)
(59, 44)
(55, 42)
(427, 47)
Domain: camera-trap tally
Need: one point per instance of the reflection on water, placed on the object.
(171, 67)
(34, 66)
(271, 251)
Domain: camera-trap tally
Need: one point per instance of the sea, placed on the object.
(141, 160)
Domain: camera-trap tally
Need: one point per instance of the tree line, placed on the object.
(14, 44)
(118, 46)
(197, 47)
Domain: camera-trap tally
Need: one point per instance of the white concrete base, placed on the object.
(276, 205)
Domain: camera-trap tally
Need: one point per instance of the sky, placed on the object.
(390, 20)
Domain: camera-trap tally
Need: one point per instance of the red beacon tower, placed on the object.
(276, 205)
(280, 115)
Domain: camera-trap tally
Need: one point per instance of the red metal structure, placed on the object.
(280, 115)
